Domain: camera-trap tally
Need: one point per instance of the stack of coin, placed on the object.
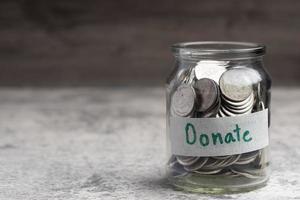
(236, 93)
(237, 98)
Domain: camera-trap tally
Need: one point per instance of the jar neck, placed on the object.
(213, 50)
(187, 60)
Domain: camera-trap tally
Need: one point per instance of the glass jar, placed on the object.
(218, 116)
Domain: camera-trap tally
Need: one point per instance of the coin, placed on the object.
(182, 75)
(250, 154)
(245, 173)
(212, 112)
(172, 160)
(239, 104)
(183, 100)
(208, 172)
(238, 111)
(245, 161)
(231, 160)
(211, 163)
(187, 160)
(212, 69)
(186, 76)
(235, 84)
(263, 159)
(207, 93)
(200, 163)
(247, 158)
(177, 170)
(226, 112)
(229, 108)
(192, 76)
(221, 114)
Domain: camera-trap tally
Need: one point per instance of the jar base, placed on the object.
(209, 185)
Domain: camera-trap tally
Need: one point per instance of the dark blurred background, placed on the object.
(97, 42)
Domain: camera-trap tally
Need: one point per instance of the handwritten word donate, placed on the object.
(191, 137)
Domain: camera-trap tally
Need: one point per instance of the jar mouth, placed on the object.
(218, 50)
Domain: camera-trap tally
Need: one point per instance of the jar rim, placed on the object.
(218, 49)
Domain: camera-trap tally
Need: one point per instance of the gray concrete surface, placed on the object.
(108, 143)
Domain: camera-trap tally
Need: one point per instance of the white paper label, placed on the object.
(219, 136)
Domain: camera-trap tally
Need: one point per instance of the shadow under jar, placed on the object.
(218, 116)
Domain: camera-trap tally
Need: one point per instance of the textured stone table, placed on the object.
(108, 143)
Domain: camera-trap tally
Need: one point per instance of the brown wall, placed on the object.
(63, 42)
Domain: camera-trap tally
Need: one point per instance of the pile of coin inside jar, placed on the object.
(215, 89)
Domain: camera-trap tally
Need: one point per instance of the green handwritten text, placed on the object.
(216, 138)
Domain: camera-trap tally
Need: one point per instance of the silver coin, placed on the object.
(221, 163)
(250, 154)
(261, 105)
(210, 113)
(172, 159)
(231, 113)
(192, 76)
(177, 170)
(183, 100)
(185, 158)
(239, 105)
(226, 112)
(182, 76)
(259, 92)
(235, 84)
(247, 158)
(217, 164)
(208, 172)
(200, 163)
(207, 93)
(211, 163)
(238, 111)
(186, 76)
(245, 161)
(228, 174)
(263, 159)
(260, 98)
(245, 174)
(221, 113)
(187, 161)
(231, 160)
(212, 69)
